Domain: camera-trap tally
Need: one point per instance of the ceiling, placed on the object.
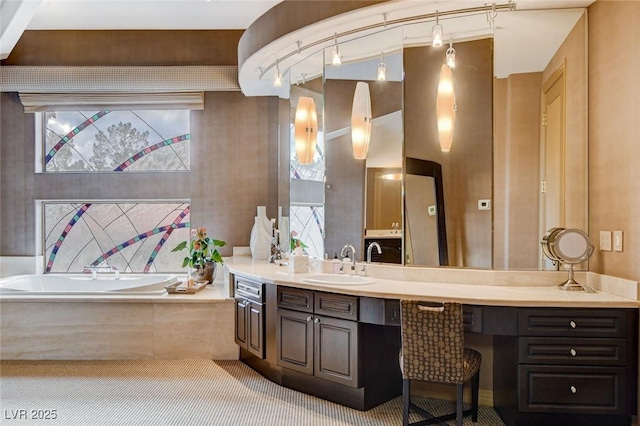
(16, 16)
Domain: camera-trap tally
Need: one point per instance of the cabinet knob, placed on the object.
(309, 318)
(573, 389)
(572, 324)
(573, 352)
(317, 320)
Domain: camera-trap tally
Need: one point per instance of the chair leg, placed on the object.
(475, 384)
(406, 399)
(459, 408)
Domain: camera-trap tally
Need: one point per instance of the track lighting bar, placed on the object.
(494, 8)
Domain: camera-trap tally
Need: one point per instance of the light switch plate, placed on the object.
(617, 240)
(605, 240)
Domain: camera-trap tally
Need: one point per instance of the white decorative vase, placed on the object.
(260, 241)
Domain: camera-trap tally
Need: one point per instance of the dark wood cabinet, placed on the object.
(249, 316)
(316, 343)
(574, 366)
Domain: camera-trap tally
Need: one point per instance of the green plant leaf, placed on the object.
(181, 246)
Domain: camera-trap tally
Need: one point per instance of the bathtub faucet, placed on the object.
(95, 268)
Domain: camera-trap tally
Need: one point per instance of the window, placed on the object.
(134, 236)
(116, 141)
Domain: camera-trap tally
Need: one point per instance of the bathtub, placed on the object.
(71, 316)
(83, 284)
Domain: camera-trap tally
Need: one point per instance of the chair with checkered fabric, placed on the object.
(433, 351)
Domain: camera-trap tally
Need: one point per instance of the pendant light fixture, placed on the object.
(451, 55)
(361, 121)
(436, 32)
(382, 68)
(336, 59)
(306, 130)
(445, 108)
(277, 78)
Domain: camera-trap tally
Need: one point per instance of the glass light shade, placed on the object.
(361, 121)
(382, 71)
(446, 108)
(436, 35)
(451, 57)
(306, 130)
(335, 56)
(277, 79)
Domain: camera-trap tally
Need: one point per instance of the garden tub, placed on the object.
(84, 284)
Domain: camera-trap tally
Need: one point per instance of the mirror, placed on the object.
(493, 174)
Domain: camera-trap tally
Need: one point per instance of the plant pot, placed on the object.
(206, 273)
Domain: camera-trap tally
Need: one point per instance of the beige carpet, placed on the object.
(175, 393)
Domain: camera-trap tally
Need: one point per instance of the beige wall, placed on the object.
(614, 147)
(234, 149)
(467, 168)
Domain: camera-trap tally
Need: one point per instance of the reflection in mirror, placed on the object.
(306, 193)
(425, 226)
(347, 220)
(497, 148)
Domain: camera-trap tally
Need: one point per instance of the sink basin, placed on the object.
(338, 279)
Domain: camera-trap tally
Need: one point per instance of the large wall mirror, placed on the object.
(493, 210)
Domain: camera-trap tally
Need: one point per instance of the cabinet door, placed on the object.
(255, 329)
(241, 322)
(295, 340)
(336, 350)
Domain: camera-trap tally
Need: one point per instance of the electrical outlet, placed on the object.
(617, 240)
(605, 240)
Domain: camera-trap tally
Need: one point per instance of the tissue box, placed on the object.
(299, 264)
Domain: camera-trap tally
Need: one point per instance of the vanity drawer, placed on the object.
(566, 389)
(572, 351)
(336, 305)
(295, 299)
(572, 322)
(249, 289)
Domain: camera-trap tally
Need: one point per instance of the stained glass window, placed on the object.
(116, 141)
(134, 236)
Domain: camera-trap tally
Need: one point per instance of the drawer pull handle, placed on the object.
(573, 389)
(572, 324)
(317, 320)
(309, 318)
(573, 352)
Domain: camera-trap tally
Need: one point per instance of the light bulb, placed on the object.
(335, 53)
(382, 69)
(277, 78)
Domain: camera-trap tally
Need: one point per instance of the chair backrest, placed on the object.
(432, 341)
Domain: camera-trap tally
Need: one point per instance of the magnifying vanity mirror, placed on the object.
(507, 177)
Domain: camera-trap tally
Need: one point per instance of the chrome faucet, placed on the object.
(370, 249)
(95, 268)
(353, 255)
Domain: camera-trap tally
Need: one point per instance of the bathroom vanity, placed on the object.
(559, 357)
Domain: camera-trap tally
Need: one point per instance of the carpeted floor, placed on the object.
(175, 393)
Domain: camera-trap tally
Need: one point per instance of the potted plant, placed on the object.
(203, 255)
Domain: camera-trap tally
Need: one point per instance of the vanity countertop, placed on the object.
(468, 286)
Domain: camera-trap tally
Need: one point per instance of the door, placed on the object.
(295, 340)
(336, 350)
(241, 322)
(255, 329)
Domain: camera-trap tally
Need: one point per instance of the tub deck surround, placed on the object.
(72, 326)
(467, 286)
